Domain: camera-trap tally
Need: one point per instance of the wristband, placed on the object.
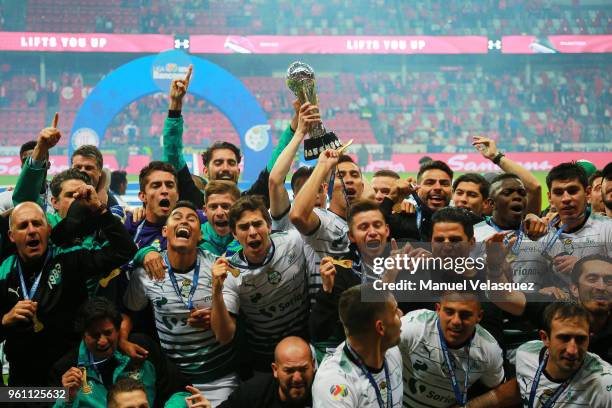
(498, 158)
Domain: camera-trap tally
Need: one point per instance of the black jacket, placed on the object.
(61, 291)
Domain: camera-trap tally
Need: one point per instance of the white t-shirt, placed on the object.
(272, 297)
(195, 352)
(529, 265)
(340, 382)
(591, 386)
(426, 375)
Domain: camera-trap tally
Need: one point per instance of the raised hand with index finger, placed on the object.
(178, 89)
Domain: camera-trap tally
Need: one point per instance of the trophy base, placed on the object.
(314, 146)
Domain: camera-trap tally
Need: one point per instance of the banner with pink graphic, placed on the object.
(267, 44)
(474, 162)
(98, 42)
(576, 44)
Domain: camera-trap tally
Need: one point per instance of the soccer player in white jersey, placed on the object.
(268, 282)
(575, 232)
(180, 302)
(556, 371)
(364, 371)
(326, 230)
(445, 352)
(508, 199)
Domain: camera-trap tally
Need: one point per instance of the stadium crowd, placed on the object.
(550, 109)
(210, 296)
(492, 18)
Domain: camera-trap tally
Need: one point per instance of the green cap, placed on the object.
(588, 167)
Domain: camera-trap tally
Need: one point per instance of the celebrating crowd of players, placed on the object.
(209, 296)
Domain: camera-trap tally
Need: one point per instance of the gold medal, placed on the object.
(85, 388)
(341, 149)
(235, 272)
(38, 326)
(511, 257)
(345, 263)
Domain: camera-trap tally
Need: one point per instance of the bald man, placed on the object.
(41, 286)
(288, 385)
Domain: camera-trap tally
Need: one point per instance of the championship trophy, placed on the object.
(301, 81)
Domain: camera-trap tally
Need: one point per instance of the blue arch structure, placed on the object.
(134, 80)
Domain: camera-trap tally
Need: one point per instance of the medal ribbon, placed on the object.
(28, 295)
(194, 283)
(536, 380)
(518, 233)
(460, 396)
(366, 372)
(555, 237)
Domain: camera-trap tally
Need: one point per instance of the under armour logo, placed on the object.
(184, 44)
(495, 44)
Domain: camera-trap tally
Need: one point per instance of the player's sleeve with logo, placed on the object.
(135, 297)
(603, 396)
(493, 371)
(333, 390)
(231, 294)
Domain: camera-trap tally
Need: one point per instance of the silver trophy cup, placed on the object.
(301, 81)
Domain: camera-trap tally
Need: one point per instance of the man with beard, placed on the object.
(556, 370)
(432, 193)
(364, 371)
(596, 200)
(325, 230)
(606, 189)
(575, 232)
(446, 352)
(221, 160)
(181, 301)
(42, 285)
(268, 283)
(591, 286)
(287, 386)
(471, 191)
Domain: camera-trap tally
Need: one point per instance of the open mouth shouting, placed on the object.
(164, 204)
(373, 243)
(33, 244)
(255, 244)
(436, 200)
(351, 193)
(221, 223)
(183, 232)
(516, 208)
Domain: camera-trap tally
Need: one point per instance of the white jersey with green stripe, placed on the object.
(591, 386)
(331, 237)
(529, 266)
(272, 296)
(340, 382)
(194, 351)
(426, 376)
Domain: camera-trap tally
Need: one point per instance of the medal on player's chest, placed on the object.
(186, 288)
(38, 326)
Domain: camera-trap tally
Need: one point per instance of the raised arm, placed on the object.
(532, 185)
(221, 322)
(34, 171)
(302, 213)
(279, 197)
